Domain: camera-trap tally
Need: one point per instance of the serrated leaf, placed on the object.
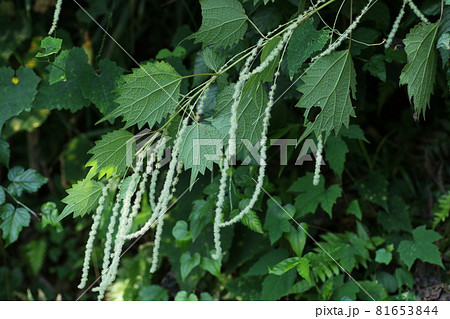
(327, 85)
(250, 114)
(421, 247)
(420, 72)
(353, 131)
(13, 220)
(4, 152)
(17, 96)
(305, 40)
(212, 59)
(83, 198)
(65, 92)
(335, 152)
(201, 142)
(277, 221)
(110, 154)
(223, 23)
(24, 180)
(267, 73)
(35, 253)
(50, 216)
(188, 263)
(50, 45)
(311, 196)
(99, 87)
(147, 95)
(252, 221)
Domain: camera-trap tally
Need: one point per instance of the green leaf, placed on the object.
(350, 251)
(374, 289)
(211, 265)
(13, 220)
(110, 154)
(311, 196)
(4, 152)
(397, 218)
(35, 254)
(277, 221)
(374, 189)
(153, 293)
(251, 219)
(250, 113)
(267, 73)
(99, 88)
(267, 261)
(2, 195)
(303, 270)
(199, 148)
(16, 97)
(188, 263)
(383, 256)
(83, 198)
(305, 40)
(50, 216)
(354, 209)
(181, 234)
(212, 59)
(223, 23)
(62, 89)
(50, 45)
(201, 215)
(376, 66)
(354, 132)
(387, 281)
(285, 265)
(29, 180)
(327, 85)
(421, 247)
(335, 151)
(420, 72)
(274, 287)
(183, 296)
(404, 277)
(297, 238)
(147, 95)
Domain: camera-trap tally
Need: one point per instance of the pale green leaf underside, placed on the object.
(111, 153)
(327, 85)
(199, 142)
(83, 198)
(148, 95)
(420, 72)
(224, 23)
(250, 113)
